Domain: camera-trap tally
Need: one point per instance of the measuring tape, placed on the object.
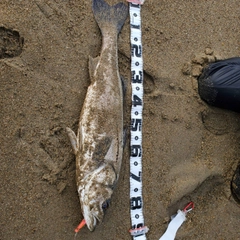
(138, 229)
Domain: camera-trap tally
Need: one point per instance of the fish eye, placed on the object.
(106, 204)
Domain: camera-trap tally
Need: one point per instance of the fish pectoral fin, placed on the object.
(92, 65)
(111, 153)
(73, 139)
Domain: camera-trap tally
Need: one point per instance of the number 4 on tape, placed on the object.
(138, 230)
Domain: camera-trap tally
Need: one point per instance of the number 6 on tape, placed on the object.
(138, 230)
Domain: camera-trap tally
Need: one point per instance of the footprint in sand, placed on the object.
(11, 43)
(194, 68)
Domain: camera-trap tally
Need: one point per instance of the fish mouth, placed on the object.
(92, 219)
(91, 222)
(89, 216)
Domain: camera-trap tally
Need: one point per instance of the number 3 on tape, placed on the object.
(138, 230)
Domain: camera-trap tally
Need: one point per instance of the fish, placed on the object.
(98, 145)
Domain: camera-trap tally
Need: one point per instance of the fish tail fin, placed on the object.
(107, 15)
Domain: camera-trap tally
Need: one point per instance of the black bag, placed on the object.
(219, 84)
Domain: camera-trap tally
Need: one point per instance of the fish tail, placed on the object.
(107, 15)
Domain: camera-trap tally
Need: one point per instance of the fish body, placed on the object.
(98, 146)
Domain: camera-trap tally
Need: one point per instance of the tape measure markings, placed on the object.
(138, 229)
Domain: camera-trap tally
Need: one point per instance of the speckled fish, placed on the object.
(98, 145)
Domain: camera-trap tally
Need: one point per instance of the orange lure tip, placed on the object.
(81, 225)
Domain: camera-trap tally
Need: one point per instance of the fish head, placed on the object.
(96, 193)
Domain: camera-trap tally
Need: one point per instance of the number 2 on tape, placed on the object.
(138, 230)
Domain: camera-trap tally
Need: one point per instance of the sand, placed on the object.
(190, 150)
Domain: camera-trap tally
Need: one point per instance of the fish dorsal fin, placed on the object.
(92, 65)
